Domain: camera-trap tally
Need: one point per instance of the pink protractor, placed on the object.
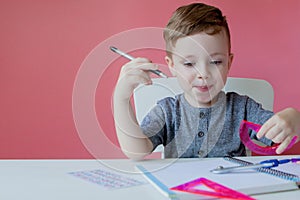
(269, 150)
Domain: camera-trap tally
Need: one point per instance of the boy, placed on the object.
(203, 121)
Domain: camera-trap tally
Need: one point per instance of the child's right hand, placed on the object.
(133, 142)
(132, 74)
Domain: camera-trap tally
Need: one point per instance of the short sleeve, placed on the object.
(258, 115)
(153, 125)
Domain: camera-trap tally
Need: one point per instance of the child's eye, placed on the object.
(216, 62)
(188, 64)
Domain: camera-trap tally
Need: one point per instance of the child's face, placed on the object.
(201, 64)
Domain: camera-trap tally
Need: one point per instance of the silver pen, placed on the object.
(129, 57)
(223, 170)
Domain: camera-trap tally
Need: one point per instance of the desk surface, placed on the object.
(49, 179)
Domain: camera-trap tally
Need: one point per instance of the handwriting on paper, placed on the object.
(107, 179)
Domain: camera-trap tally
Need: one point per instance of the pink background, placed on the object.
(44, 43)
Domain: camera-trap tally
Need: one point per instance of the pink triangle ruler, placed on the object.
(219, 191)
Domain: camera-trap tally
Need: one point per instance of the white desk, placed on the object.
(49, 179)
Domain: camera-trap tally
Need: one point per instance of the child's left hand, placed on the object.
(281, 128)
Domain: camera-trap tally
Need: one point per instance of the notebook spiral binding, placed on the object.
(274, 172)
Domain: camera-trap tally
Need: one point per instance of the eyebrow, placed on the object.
(218, 53)
(193, 56)
(188, 57)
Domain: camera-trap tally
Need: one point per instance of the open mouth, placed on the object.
(204, 88)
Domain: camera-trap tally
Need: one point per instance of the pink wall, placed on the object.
(44, 45)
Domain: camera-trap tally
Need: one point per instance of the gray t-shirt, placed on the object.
(189, 132)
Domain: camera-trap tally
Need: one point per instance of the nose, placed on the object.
(202, 72)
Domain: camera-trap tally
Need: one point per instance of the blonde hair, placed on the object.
(194, 18)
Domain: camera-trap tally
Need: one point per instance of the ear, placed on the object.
(230, 60)
(170, 64)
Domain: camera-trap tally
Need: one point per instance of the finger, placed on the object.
(273, 132)
(265, 128)
(145, 79)
(131, 67)
(146, 66)
(135, 76)
(281, 136)
(139, 76)
(141, 60)
(137, 61)
(139, 72)
(283, 145)
(135, 69)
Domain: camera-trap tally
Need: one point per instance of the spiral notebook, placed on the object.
(289, 171)
(251, 182)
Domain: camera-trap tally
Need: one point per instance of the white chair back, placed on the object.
(145, 97)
